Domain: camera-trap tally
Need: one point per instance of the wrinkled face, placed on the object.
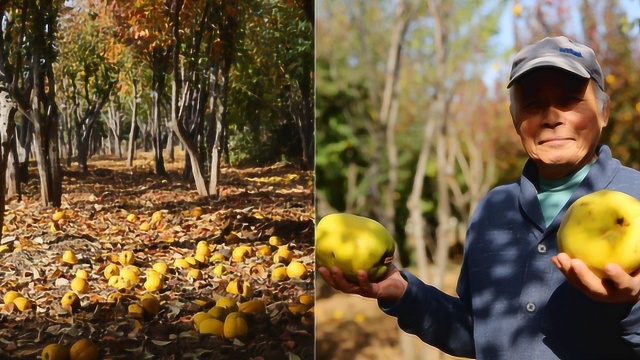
(557, 117)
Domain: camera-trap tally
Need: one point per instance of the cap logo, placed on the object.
(571, 51)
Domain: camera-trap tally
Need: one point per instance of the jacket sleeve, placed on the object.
(631, 328)
(437, 318)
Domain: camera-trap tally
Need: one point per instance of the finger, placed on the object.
(587, 278)
(562, 262)
(628, 285)
(618, 276)
(326, 275)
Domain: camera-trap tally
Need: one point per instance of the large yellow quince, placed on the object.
(353, 243)
(600, 228)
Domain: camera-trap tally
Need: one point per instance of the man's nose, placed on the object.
(552, 117)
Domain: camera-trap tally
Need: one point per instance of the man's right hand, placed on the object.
(390, 288)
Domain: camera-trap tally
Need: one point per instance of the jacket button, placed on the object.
(542, 248)
(530, 307)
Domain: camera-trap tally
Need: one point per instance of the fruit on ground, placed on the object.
(111, 270)
(83, 349)
(9, 296)
(80, 285)
(254, 306)
(70, 300)
(235, 326)
(296, 270)
(154, 281)
(353, 243)
(22, 303)
(600, 228)
(69, 257)
(279, 274)
(218, 312)
(126, 258)
(211, 326)
(227, 303)
(55, 352)
(150, 304)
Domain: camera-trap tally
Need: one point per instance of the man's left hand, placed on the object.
(619, 287)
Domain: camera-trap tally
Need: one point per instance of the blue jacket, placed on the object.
(512, 302)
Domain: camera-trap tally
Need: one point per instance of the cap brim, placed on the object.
(550, 61)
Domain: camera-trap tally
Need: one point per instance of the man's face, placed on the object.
(557, 117)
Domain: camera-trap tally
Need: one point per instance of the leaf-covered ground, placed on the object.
(255, 205)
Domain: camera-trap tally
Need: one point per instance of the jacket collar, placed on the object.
(601, 174)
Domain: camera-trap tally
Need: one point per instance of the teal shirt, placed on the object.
(554, 193)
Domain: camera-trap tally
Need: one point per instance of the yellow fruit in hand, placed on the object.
(70, 301)
(69, 257)
(132, 218)
(55, 352)
(354, 243)
(111, 270)
(9, 296)
(145, 226)
(235, 326)
(211, 326)
(601, 228)
(83, 349)
(126, 257)
(80, 285)
(296, 270)
(22, 303)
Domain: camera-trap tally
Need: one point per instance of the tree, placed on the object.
(28, 55)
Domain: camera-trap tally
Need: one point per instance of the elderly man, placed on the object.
(517, 297)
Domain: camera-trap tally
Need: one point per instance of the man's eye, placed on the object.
(569, 100)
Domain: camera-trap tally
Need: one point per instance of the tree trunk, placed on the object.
(7, 127)
(178, 107)
(134, 124)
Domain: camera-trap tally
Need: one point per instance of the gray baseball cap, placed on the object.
(558, 52)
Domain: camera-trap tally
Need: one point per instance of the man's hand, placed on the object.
(620, 287)
(390, 288)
